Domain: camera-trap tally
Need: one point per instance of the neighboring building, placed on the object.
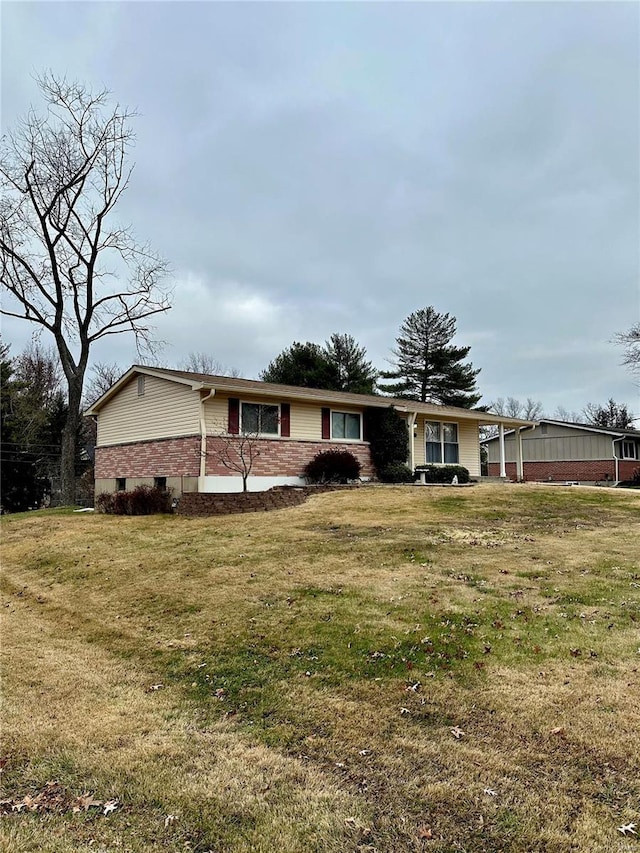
(169, 427)
(555, 451)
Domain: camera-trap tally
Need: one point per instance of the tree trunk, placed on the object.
(69, 439)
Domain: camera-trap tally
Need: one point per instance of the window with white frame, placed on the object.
(259, 418)
(629, 450)
(441, 442)
(346, 425)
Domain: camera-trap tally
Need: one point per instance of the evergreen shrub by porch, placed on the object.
(396, 472)
(143, 500)
(443, 473)
(332, 466)
(388, 437)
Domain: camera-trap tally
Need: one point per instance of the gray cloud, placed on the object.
(310, 168)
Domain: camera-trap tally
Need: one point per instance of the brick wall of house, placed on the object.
(287, 458)
(584, 471)
(176, 457)
(170, 457)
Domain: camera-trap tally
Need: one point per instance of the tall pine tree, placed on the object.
(428, 367)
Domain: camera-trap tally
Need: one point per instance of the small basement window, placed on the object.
(121, 484)
(160, 483)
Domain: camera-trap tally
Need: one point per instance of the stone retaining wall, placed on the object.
(199, 504)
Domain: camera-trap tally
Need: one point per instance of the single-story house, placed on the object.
(172, 428)
(557, 451)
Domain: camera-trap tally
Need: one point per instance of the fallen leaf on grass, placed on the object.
(169, 820)
(84, 802)
(457, 732)
(110, 806)
(425, 833)
(627, 829)
(558, 731)
(405, 711)
(153, 687)
(490, 792)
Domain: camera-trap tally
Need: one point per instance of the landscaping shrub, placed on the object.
(143, 500)
(388, 438)
(634, 482)
(396, 472)
(332, 466)
(443, 473)
(104, 503)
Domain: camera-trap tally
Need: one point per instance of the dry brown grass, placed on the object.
(516, 609)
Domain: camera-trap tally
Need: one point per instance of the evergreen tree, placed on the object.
(355, 373)
(428, 367)
(305, 365)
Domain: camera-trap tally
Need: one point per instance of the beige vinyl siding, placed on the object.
(469, 441)
(306, 418)
(468, 444)
(216, 414)
(568, 446)
(306, 422)
(165, 409)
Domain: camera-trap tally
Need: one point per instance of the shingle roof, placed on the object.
(235, 385)
(616, 433)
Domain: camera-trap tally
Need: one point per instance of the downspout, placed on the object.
(519, 456)
(203, 437)
(616, 460)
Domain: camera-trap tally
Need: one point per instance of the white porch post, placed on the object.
(503, 469)
(411, 420)
(519, 465)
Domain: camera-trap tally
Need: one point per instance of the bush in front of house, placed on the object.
(633, 483)
(332, 466)
(143, 500)
(443, 473)
(395, 472)
(388, 438)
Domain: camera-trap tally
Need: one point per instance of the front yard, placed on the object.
(387, 669)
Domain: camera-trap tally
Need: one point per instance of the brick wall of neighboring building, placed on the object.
(585, 471)
(169, 457)
(176, 457)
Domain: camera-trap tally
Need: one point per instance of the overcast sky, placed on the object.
(310, 168)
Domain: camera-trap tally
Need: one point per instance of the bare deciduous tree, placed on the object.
(236, 453)
(631, 342)
(530, 410)
(64, 266)
(103, 376)
(612, 414)
(202, 362)
(572, 417)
